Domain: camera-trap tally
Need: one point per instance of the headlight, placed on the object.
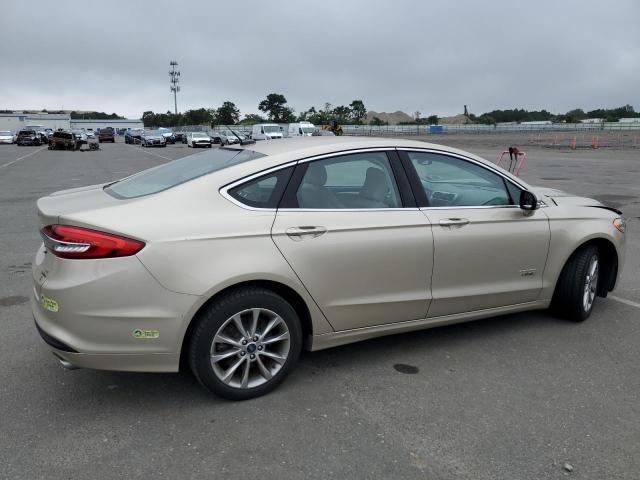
(620, 224)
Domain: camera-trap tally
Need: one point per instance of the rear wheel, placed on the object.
(577, 286)
(245, 343)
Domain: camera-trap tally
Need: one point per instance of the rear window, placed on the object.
(27, 132)
(179, 171)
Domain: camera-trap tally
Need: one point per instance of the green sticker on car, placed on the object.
(49, 304)
(145, 333)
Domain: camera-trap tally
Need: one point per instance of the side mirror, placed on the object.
(528, 201)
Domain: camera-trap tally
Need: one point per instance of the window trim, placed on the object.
(418, 190)
(278, 189)
(289, 198)
(296, 178)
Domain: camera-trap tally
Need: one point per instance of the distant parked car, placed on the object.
(168, 135)
(64, 140)
(89, 133)
(40, 130)
(198, 139)
(133, 135)
(179, 136)
(153, 138)
(80, 135)
(28, 137)
(6, 136)
(106, 135)
(228, 138)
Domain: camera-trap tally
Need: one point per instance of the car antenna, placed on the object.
(242, 142)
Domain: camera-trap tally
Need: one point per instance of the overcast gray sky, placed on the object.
(431, 56)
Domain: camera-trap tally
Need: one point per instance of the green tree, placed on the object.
(275, 106)
(252, 119)
(433, 120)
(341, 114)
(200, 116)
(375, 121)
(358, 111)
(227, 114)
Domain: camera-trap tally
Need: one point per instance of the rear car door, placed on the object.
(356, 240)
(488, 252)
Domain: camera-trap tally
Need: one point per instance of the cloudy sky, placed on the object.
(431, 56)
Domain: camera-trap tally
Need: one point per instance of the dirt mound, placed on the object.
(393, 118)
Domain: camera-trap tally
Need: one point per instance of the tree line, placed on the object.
(274, 108)
(572, 116)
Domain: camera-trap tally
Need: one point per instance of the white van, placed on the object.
(302, 129)
(266, 131)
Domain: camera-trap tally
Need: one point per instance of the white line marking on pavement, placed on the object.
(22, 158)
(625, 301)
(145, 150)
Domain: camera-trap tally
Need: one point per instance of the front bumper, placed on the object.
(89, 312)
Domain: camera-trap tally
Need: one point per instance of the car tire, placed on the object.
(252, 368)
(577, 287)
(209, 146)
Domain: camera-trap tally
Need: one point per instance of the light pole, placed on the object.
(174, 80)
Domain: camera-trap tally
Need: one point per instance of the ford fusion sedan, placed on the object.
(233, 260)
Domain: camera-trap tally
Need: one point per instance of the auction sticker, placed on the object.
(145, 333)
(49, 304)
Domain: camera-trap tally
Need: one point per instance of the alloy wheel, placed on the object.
(250, 348)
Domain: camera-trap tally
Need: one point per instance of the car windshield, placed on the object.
(27, 132)
(271, 128)
(179, 171)
(199, 135)
(307, 129)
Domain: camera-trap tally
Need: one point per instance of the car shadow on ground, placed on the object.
(160, 390)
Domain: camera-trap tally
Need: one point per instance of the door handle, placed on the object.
(454, 222)
(299, 233)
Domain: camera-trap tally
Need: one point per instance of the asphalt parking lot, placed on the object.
(513, 397)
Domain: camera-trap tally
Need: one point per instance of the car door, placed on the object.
(488, 252)
(355, 240)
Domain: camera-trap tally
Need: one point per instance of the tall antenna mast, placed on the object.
(174, 80)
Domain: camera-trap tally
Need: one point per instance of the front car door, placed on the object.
(358, 244)
(488, 252)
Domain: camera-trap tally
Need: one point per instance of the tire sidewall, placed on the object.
(212, 320)
(589, 255)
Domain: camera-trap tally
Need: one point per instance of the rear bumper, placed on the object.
(90, 314)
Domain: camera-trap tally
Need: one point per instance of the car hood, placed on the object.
(560, 198)
(154, 137)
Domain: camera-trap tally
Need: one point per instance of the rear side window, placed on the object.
(263, 192)
(179, 171)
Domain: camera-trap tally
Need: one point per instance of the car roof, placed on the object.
(302, 147)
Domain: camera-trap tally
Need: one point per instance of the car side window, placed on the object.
(355, 181)
(453, 182)
(263, 192)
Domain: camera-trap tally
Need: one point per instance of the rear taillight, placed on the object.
(76, 242)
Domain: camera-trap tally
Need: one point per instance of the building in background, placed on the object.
(18, 120)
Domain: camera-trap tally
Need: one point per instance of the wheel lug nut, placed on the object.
(255, 339)
(244, 342)
(242, 354)
(252, 356)
(259, 347)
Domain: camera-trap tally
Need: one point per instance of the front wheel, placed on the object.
(577, 286)
(245, 343)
